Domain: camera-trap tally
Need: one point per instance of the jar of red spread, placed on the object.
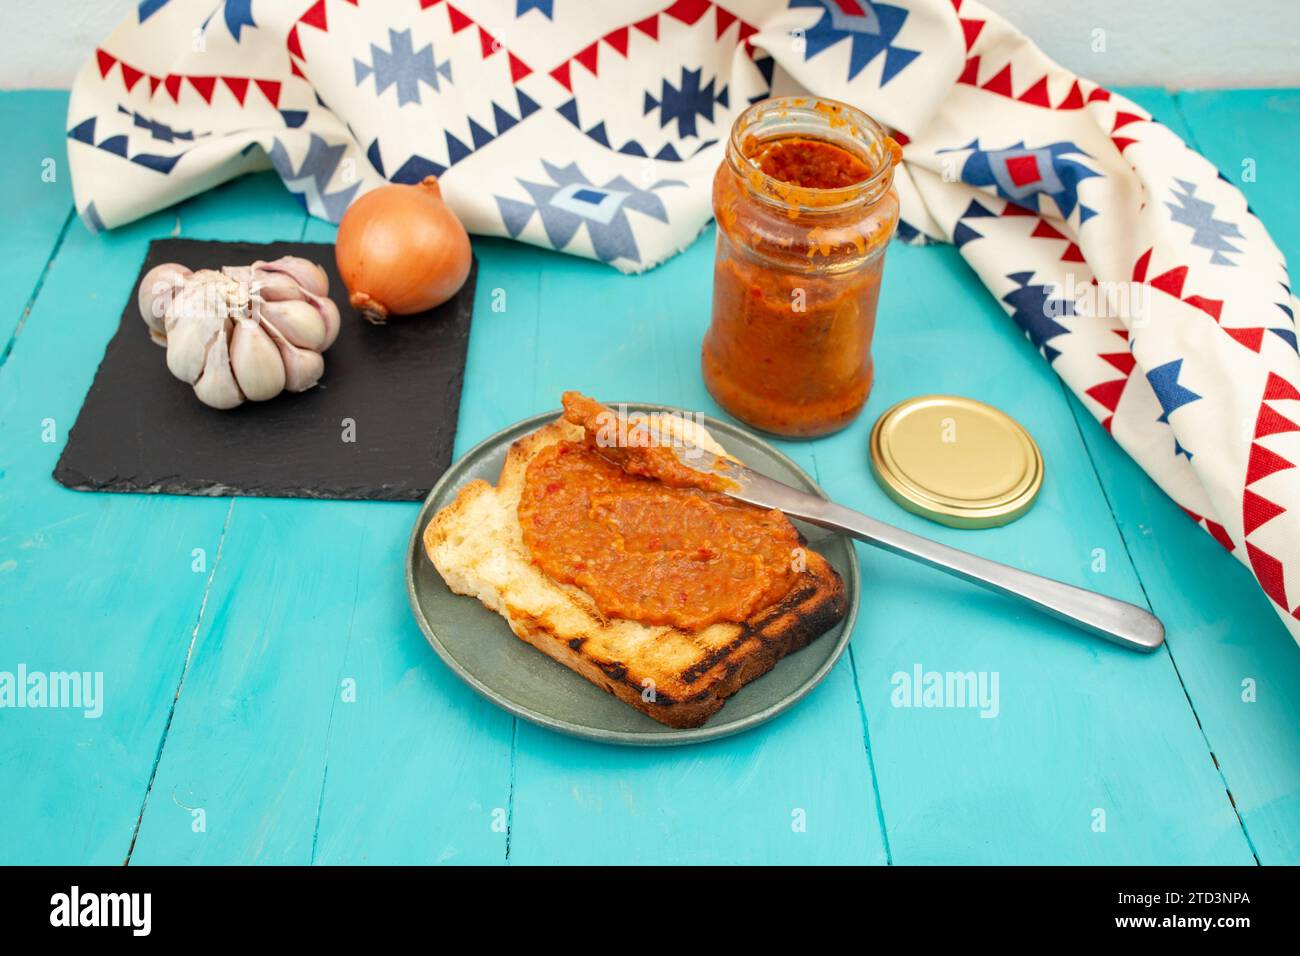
(805, 206)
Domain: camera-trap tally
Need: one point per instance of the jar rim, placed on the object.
(878, 150)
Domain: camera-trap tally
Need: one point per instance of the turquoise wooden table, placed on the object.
(231, 633)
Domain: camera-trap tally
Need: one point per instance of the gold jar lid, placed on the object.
(956, 461)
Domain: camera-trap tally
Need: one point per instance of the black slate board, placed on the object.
(142, 430)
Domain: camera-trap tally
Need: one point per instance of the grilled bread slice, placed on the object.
(680, 678)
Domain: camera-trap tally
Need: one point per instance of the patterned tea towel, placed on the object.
(595, 128)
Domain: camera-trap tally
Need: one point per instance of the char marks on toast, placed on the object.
(477, 546)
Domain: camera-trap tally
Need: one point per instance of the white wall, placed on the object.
(1175, 43)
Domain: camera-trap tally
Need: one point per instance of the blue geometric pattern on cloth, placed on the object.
(667, 152)
(681, 104)
(1207, 232)
(1020, 174)
(416, 167)
(237, 14)
(148, 8)
(403, 66)
(159, 130)
(84, 132)
(90, 216)
(1034, 308)
(1172, 394)
(545, 7)
(962, 233)
(870, 29)
(309, 181)
(570, 200)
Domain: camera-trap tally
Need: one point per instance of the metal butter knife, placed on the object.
(1118, 621)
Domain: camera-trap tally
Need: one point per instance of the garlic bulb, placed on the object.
(241, 332)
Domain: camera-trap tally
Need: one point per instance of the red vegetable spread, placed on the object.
(795, 287)
(659, 550)
(809, 163)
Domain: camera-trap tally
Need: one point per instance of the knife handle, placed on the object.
(1125, 624)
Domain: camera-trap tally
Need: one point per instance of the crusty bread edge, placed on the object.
(818, 602)
(789, 625)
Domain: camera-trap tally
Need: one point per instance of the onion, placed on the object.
(400, 251)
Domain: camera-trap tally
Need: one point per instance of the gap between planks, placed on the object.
(857, 698)
(189, 655)
(40, 284)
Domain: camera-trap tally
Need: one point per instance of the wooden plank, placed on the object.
(1224, 632)
(36, 194)
(316, 724)
(97, 582)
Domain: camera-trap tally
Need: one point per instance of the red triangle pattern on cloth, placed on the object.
(1036, 95)
(271, 90)
(724, 20)
(1107, 394)
(459, 21)
(130, 76)
(487, 46)
(1211, 307)
(1123, 361)
(1253, 339)
(588, 58)
(970, 30)
(1277, 387)
(561, 74)
(204, 85)
(1073, 100)
(1171, 282)
(106, 61)
(1220, 534)
(649, 26)
(971, 73)
(1268, 570)
(291, 41)
(1263, 463)
(1123, 119)
(1001, 82)
(1257, 510)
(618, 40)
(518, 68)
(688, 11)
(238, 87)
(1272, 422)
(315, 17)
(1140, 267)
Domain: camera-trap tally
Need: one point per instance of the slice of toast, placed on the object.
(680, 678)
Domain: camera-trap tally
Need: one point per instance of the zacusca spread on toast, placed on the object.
(631, 568)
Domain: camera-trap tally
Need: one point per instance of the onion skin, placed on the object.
(401, 251)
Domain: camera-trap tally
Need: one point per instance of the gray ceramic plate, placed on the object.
(476, 643)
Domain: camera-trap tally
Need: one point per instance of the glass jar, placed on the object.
(805, 206)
